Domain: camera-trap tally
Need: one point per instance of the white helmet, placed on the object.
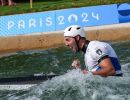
(74, 30)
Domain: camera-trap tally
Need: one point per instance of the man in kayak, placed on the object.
(100, 58)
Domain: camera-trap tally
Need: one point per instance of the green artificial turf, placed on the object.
(47, 5)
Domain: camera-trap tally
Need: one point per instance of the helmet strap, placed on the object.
(85, 46)
(77, 43)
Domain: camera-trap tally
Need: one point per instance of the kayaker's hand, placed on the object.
(76, 63)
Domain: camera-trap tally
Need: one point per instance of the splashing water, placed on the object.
(74, 85)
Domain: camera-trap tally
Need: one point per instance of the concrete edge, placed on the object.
(115, 32)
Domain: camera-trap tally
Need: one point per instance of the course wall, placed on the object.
(116, 32)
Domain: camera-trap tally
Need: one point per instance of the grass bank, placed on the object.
(47, 5)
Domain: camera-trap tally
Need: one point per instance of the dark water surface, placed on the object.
(72, 84)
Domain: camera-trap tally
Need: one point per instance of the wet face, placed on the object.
(70, 42)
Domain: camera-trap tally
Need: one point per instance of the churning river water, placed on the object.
(72, 84)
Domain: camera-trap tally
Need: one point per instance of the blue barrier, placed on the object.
(59, 19)
(124, 12)
(87, 16)
(27, 23)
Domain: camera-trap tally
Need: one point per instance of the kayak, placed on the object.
(23, 82)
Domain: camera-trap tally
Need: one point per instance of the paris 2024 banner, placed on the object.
(56, 20)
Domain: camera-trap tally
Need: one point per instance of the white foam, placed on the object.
(126, 70)
(32, 98)
(74, 84)
(16, 87)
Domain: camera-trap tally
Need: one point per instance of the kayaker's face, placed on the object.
(71, 43)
